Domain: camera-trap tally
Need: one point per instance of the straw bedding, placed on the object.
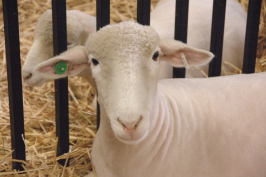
(39, 110)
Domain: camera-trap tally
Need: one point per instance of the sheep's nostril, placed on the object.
(122, 124)
(131, 127)
(26, 77)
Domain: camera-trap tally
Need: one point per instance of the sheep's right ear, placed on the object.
(68, 63)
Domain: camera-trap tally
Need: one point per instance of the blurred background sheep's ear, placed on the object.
(179, 54)
(69, 63)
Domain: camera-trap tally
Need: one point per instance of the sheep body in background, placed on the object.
(80, 26)
(199, 31)
(172, 127)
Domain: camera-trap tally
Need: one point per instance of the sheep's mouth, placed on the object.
(33, 82)
(29, 76)
(131, 140)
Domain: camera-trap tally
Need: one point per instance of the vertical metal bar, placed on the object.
(143, 12)
(181, 25)
(103, 19)
(103, 13)
(98, 115)
(217, 35)
(61, 85)
(251, 41)
(11, 27)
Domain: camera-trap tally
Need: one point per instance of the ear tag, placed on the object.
(183, 57)
(60, 67)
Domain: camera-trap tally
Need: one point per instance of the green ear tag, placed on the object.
(61, 67)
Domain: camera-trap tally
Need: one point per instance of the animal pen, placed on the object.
(40, 127)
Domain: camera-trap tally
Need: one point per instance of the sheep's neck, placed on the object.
(108, 147)
(159, 118)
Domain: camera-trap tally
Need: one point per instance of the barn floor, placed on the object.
(39, 110)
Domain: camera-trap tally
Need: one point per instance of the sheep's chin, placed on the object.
(132, 141)
(35, 82)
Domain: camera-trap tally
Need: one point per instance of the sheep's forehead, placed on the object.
(122, 40)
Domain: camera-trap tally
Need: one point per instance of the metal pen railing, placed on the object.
(10, 12)
(11, 28)
(61, 85)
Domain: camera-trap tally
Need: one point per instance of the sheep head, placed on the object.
(124, 60)
(78, 31)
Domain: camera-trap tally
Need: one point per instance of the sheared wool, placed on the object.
(171, 127)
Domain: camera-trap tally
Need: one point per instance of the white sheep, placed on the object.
(204, 127)
(81, 25)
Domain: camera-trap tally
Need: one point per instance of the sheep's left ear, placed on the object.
(68, 63)
(173, 51)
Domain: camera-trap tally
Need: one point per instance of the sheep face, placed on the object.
(42, 48)
(123, 61)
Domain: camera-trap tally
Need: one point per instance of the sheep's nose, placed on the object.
(130, 127)
(26, 75)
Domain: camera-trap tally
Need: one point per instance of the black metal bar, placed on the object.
(98, 116)
(11, 27)
(217, 35)
(103, 19)
(251, 41)
(181, 25)
(143, 12)
(103, 13)
(61, 85)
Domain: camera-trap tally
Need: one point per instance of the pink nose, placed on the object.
(131, 127)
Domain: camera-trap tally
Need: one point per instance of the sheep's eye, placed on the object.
(95, 62)
(155, 56)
